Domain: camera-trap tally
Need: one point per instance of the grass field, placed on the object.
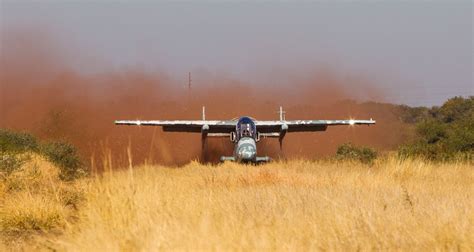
(293, 205)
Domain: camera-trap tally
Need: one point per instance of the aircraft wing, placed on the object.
(213, 126)
(305, 125)
(197, 126)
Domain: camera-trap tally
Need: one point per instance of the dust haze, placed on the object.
(41, 93)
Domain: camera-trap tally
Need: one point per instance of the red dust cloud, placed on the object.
(40, 94)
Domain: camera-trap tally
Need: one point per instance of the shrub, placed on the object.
(447, 134)
(17, 142)
(413, 114)
(349, 151)
(64, 155)
(455, 109)
(12, 144)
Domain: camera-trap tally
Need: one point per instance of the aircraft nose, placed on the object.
(247, 154)
(247, 150)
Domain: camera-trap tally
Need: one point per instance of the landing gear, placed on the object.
(226, 158)
(204, 133)
(261, 160)
(258, 160)
(204, 149)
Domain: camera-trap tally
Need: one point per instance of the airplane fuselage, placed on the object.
(245, 138)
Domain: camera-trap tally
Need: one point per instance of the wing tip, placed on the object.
(125, 122)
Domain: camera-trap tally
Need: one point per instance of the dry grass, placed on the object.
(34, 202)
(295, 205)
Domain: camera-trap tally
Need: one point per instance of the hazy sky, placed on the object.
(419, 53)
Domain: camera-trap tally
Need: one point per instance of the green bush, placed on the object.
(65, 157)
(14, 144)
(17, 142)
(349, 151)
(455, 109)
(447, 134)
(413, 114)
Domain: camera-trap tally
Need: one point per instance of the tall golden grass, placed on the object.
(293, 205)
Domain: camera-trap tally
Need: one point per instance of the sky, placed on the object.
(416, 52)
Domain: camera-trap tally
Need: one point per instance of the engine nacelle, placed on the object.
(284, 129)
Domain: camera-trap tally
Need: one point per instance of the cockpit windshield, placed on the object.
(246, 128)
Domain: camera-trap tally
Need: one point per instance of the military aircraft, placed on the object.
(245, 131)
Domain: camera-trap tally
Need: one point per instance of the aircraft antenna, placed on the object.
(282, 114)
